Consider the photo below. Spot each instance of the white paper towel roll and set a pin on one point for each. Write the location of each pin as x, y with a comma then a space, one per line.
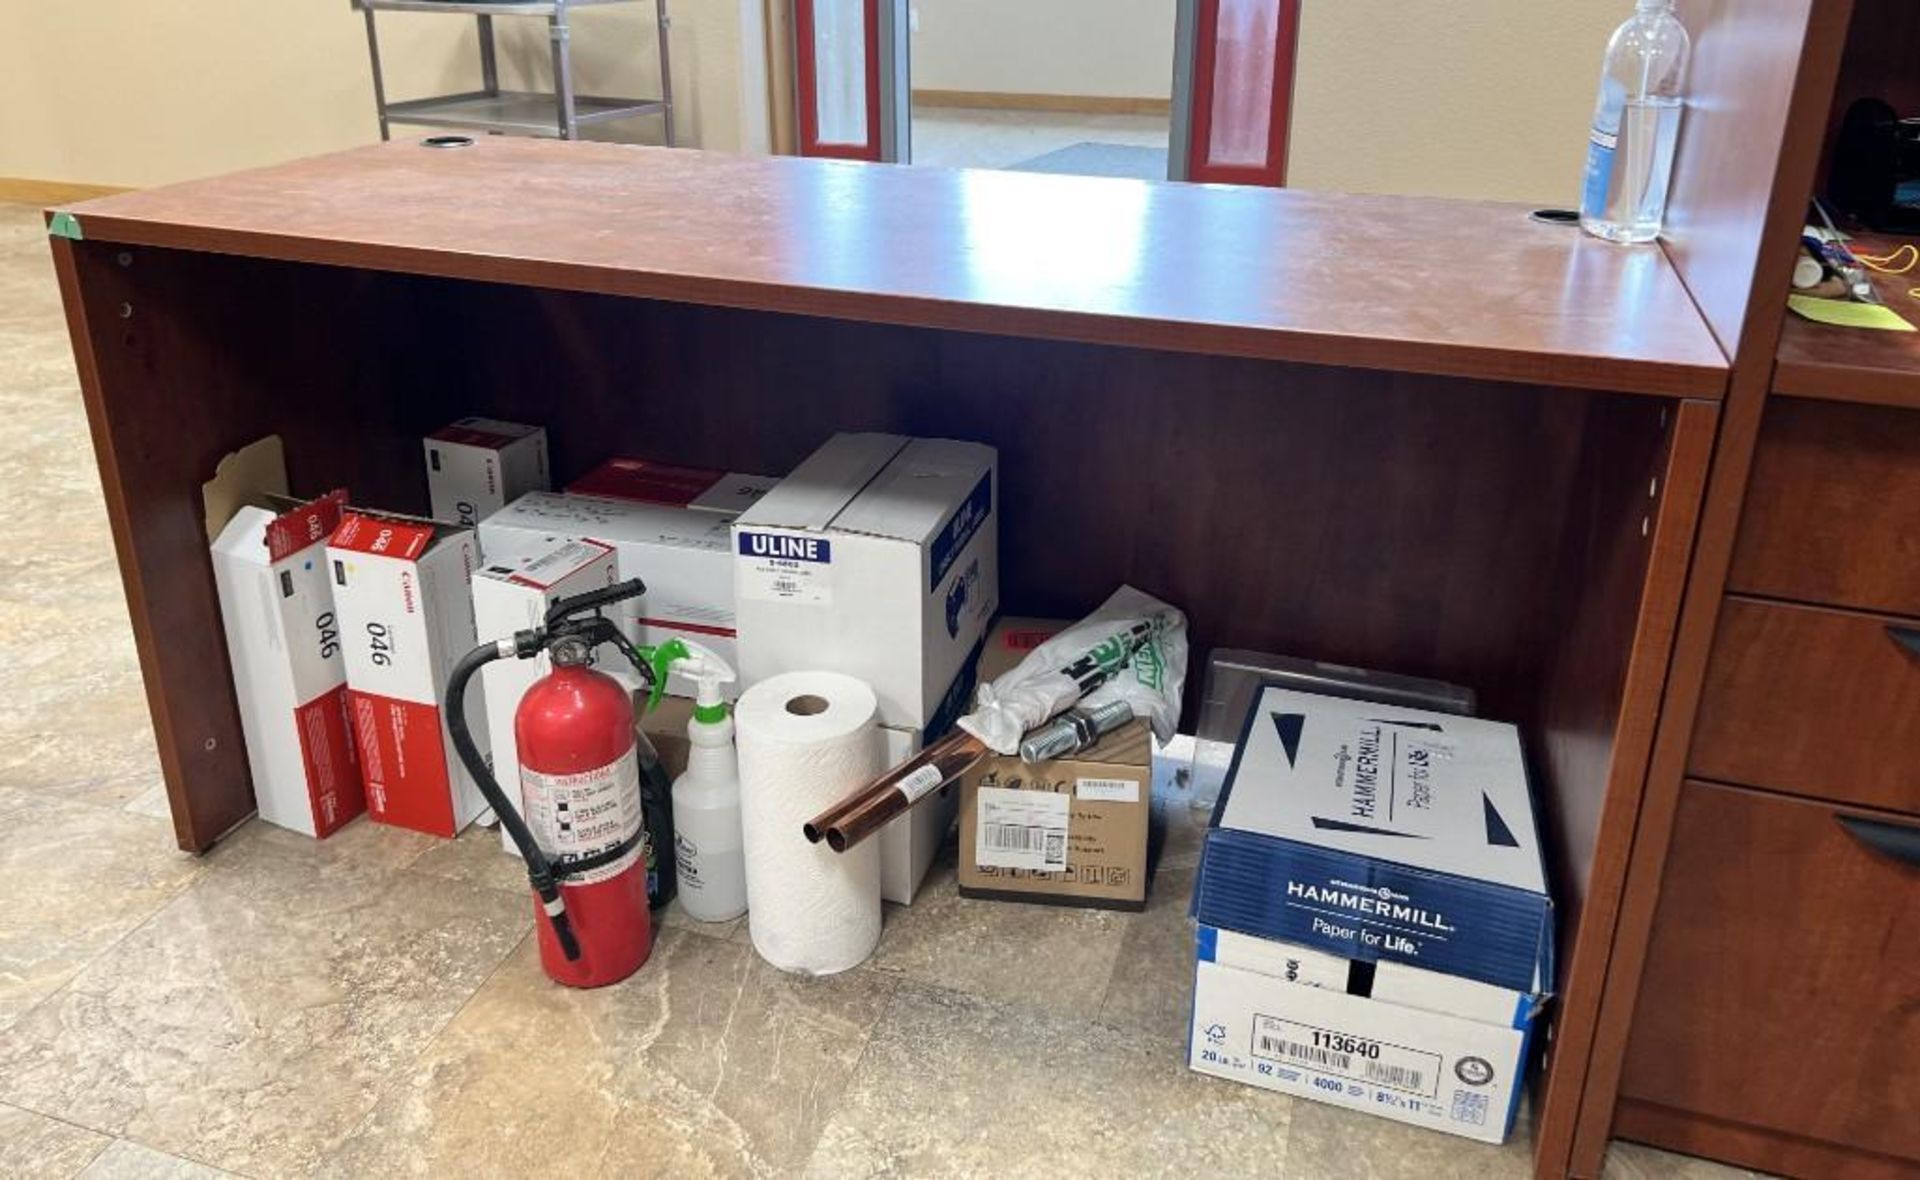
807, 740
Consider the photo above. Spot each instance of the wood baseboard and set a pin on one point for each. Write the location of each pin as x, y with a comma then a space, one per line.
53, 192
1771, 1152
1084, 104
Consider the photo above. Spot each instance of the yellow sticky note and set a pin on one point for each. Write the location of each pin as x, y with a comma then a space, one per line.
1846, 313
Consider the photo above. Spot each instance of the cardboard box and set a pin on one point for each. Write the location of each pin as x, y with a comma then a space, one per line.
649, 482
1411, 1045
1380, 832
1010, 640
283, 642
878, 558
514, 596
682, 554
403, 591
1099, 805
477, 466
1068, 831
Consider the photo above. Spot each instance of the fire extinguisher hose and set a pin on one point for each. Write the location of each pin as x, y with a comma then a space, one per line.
540, 871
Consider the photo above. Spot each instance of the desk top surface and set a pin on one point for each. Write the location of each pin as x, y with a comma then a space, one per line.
1460, 288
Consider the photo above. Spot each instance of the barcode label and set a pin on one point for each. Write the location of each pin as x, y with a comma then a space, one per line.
1397, 1076
1021, 830
1308, 1054
1108, 790
1026, 838
1361, 1059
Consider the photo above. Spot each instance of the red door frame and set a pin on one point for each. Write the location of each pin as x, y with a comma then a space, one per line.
1273, 171
807, 83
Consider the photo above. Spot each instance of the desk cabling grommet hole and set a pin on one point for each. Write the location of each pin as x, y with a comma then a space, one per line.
447, 141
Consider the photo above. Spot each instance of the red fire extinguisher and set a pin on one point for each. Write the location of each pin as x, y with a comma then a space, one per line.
583, 832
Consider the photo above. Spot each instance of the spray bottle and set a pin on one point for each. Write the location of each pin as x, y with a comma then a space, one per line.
706, 799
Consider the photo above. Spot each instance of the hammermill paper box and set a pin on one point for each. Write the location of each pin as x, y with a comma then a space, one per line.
402, 589
682, 554
878, 558
1380, 832
477, 466
1411, 1045
514, 596
276, 606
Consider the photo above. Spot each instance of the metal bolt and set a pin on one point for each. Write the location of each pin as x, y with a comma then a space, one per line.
211, 743
1644, 525
1653, 488
124, 258
126, 311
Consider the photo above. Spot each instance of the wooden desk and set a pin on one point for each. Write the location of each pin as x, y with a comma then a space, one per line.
1421, 435
1772, 883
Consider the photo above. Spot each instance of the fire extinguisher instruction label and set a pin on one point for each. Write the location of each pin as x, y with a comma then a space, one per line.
573, 816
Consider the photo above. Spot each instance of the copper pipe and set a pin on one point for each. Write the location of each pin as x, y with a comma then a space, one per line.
869, 809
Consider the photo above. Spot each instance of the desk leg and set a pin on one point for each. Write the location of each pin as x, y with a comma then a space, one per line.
1605, 800
155, 447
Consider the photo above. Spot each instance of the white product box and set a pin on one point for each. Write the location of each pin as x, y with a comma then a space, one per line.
734, 493
680, 553
1380, 832
1411, 1045
908, 844
477, 466
878, 558
403, 591
652, 482
514, 596
276, 606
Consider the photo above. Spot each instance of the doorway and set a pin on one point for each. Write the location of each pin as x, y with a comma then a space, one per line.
1067, 86
1051, 85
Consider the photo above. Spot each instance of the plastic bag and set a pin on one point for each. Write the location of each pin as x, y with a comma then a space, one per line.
1134, 649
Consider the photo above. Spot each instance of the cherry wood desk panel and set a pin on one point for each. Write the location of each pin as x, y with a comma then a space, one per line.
1461, 288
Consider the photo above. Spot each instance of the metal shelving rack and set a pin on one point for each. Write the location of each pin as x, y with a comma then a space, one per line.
490, 108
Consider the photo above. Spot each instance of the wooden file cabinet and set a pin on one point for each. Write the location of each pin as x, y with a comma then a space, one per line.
1779, 1015
1778, 1008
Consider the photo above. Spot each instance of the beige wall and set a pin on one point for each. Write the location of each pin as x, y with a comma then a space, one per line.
1482, 98
1113, 48
1455, 98
142, 92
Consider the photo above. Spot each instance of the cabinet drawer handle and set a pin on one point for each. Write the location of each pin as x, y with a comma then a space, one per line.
1895, 840
1907, 637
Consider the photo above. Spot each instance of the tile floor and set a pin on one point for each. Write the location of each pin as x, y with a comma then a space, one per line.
958, 137
373, 1005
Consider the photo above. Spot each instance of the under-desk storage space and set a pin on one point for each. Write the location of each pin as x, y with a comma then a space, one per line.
1349, 463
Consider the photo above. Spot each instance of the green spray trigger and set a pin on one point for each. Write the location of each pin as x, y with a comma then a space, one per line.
661, 660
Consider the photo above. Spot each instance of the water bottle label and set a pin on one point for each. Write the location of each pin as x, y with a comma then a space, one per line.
1600, 145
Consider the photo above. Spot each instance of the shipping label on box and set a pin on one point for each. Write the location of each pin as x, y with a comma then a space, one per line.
283, 640
878, 558
682, 554
1380, 832
403, 593
1415, 1047
514, 596
477, 466
1071, 831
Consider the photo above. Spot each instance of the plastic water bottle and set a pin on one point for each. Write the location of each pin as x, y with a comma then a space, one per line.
1635, 124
